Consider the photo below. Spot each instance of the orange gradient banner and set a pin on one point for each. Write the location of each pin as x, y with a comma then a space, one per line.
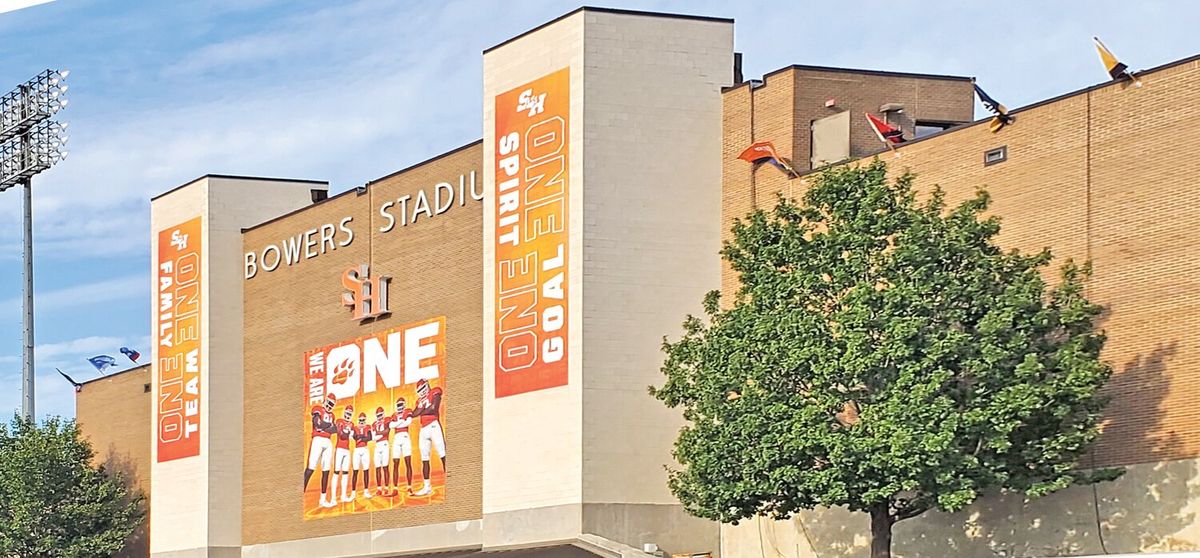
374, 420
532, 215
177, 336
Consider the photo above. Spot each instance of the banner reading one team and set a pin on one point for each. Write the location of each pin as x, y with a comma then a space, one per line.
177, 336
373, 421
532, 214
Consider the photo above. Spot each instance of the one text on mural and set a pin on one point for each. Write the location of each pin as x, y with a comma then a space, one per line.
178, 324
366, 365
531, 217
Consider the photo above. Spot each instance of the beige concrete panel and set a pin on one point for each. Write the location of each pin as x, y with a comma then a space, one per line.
668, 526
435, 537
1153, 508
651, 232
532, 441
198, 499
516, 528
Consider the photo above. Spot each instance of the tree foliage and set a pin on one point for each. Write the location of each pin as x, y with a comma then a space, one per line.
53, 502
883, 354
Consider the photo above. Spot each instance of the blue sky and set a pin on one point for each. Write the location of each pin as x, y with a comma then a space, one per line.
162, 92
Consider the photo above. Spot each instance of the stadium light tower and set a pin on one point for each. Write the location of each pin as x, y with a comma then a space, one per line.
30, 142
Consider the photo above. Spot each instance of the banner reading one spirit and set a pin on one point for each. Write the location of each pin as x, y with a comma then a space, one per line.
374, 420
532, 214
177, 336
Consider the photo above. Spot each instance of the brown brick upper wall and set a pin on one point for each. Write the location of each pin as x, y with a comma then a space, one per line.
1095, 175
783, 108
113, 413
435, 268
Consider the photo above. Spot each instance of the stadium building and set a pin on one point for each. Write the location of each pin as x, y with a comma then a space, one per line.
455, 357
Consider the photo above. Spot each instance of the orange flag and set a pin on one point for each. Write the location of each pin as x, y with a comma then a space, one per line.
764, 152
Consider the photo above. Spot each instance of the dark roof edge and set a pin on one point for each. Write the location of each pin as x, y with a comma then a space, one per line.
1043, 102
884, 73
832, 69
366, 186
117, 373
608, 11
238, 177
427, 161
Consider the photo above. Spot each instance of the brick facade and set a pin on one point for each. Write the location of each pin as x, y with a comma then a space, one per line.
434, 265
782, 109
113, 413
1091, 175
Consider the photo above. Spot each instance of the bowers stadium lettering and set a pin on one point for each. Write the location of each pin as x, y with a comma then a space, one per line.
177, 332
330, 236
366, 400
532, 215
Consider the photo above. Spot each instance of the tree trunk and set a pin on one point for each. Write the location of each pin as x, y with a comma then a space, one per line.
881, 531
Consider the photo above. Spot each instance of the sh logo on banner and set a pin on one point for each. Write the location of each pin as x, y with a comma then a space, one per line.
178, 240
535, 104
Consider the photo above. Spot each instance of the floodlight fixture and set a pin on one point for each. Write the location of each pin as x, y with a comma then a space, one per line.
30, 143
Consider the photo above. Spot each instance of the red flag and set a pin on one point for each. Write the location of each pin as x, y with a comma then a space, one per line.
885, 132
764, 152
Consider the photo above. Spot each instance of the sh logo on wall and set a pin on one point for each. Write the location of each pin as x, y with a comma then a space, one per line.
368, 297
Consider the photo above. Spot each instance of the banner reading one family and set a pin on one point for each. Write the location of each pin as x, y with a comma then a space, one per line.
177, 339
532, 215
374, 421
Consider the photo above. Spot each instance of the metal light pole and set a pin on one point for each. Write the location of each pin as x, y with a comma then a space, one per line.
30, 143
27, 306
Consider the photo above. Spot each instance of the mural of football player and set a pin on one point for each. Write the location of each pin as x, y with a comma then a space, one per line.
320, 448
344, 429
401, 445
429, 405
362, 457
382, 429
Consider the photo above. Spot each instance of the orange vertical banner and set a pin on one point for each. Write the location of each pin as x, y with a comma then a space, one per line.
177, 337
532, 242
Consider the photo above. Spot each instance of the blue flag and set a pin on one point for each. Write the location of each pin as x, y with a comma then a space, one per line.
132, 354
1001, 118
102, 362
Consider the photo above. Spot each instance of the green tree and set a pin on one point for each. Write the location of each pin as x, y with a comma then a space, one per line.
883, 354
53, 502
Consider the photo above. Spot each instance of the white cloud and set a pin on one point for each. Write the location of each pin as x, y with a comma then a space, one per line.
118, 288
54, 395
14, 5
53, 352
357, 109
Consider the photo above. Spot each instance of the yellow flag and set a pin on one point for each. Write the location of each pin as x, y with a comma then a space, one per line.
1116, 70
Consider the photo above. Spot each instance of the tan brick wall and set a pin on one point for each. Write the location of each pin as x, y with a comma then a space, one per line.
1092, 175
113, 414
783, 108
435, 269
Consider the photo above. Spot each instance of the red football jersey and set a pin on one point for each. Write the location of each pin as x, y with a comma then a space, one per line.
426, 402
396, 417
325, 416
344, 429
380, 428
362, 434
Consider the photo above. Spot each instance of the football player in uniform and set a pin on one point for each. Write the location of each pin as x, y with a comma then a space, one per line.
344, 428
320, 449
401, 445
362, 457
429, 406
382, 428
